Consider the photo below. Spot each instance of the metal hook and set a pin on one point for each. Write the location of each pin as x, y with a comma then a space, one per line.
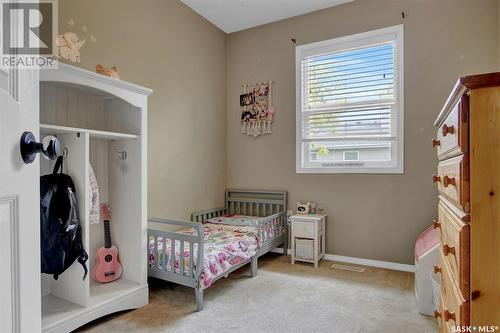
122, 154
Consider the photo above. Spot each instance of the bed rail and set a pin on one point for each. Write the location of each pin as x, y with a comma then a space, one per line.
272, 232
167, 270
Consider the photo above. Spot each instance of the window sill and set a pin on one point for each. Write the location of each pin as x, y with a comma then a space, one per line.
362, 170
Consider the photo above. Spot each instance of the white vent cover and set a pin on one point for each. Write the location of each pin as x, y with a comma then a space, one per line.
349, 268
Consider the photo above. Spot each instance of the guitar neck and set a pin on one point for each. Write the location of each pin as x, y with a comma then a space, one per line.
107, 235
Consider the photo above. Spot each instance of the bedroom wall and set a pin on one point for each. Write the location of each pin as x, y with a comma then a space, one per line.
369, 216
166, 46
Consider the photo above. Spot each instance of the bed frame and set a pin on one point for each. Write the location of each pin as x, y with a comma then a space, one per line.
270, 205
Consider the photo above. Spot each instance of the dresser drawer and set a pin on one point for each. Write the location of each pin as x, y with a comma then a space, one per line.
455, 310
303, 229
453, 180
455, 245
453, 134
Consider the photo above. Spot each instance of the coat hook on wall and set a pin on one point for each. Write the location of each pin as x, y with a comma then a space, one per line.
122, 154
65, 152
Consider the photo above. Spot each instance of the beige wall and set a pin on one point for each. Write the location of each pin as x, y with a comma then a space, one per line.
166, 46
369, 216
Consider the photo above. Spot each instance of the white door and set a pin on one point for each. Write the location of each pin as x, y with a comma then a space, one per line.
19, 205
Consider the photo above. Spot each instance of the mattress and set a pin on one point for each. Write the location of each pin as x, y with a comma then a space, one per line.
225, 246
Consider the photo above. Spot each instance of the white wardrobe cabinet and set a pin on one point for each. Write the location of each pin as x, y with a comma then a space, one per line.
100, 122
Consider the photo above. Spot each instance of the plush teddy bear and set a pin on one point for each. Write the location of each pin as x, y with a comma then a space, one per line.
111, 72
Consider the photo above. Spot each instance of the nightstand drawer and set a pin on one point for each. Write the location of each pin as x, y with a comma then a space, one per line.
303, 229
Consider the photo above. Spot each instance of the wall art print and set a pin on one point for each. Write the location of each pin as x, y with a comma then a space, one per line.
69, 43
257, 111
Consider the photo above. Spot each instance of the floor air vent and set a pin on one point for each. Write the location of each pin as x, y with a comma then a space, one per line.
349, 268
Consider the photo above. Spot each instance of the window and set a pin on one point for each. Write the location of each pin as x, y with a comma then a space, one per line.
351, 156
350, 104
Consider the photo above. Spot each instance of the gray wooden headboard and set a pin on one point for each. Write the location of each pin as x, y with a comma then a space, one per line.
255, 202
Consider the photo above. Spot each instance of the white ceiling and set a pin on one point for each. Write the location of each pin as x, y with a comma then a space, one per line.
235, 15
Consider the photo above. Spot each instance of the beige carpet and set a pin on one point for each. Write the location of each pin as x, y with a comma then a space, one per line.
282, 298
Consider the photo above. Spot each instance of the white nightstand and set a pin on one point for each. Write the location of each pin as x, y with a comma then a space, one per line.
308, 238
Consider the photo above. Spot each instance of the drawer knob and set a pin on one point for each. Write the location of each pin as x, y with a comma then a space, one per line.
437, 314
447, 249
447, 181
436, 224
437, 269
436, 143
448, 129
436, 178
449, 315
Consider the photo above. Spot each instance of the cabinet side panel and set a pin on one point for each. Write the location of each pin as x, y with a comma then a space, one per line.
70, 285
485, 203
125, 201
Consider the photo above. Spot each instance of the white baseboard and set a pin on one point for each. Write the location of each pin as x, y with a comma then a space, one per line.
364, 262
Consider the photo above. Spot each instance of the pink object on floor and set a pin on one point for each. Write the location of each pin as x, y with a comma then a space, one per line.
425, 241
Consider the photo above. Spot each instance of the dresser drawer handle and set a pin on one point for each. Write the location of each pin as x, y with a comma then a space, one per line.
436, 143
447, 181
448, 129
437, 314
449, 315
436, 178
436, 224
437, 269
447, 249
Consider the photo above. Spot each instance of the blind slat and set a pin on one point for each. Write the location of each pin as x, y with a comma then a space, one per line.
313, 72
361, 89
348, 122
351, 97
333, 83
359, 74
372, 51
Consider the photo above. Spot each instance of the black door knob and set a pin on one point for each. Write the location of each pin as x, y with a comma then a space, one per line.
49, 147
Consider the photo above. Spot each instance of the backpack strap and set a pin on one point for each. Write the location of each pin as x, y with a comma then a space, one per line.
82, 259
59, 164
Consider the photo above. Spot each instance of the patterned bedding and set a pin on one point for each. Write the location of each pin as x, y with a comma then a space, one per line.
225, 246
236, 220
269, 231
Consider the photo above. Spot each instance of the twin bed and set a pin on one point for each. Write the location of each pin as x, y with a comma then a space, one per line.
218, 241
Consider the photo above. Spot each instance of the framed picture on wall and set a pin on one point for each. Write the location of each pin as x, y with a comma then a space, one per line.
247, 99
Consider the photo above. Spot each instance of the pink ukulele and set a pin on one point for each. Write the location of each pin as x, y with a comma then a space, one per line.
107, 266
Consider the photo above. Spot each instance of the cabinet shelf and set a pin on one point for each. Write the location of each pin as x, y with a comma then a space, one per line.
109, 297
55, 129
104, 292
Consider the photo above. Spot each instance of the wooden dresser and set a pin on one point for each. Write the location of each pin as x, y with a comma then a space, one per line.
468, 180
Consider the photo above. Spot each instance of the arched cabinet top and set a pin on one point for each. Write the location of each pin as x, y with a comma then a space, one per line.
102, 85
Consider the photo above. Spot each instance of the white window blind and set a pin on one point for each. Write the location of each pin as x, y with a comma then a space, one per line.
349, 96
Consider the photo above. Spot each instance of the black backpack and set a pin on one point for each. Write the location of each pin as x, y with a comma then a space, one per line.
60, 232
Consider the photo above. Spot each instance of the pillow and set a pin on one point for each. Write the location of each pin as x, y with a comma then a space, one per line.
236, 220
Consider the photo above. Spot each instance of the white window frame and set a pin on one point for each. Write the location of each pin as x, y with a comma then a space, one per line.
394, 33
